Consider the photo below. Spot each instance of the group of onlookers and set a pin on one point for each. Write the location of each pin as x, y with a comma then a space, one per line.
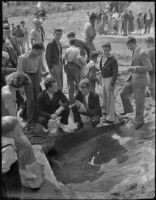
21, 90
114, 22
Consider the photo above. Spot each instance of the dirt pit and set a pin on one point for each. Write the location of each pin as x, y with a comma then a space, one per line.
101, 162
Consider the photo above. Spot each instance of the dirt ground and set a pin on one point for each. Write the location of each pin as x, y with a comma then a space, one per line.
116, 164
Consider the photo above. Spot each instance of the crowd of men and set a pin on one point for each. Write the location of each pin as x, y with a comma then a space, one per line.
123, 23
22, 74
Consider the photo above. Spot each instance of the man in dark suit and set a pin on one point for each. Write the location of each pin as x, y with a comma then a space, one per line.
148, 19
86, 103
53, 103
54, 57
140, 66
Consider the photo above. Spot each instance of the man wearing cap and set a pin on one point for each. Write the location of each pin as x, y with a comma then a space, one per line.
89, 71
73, 67
30, 63
10, 40
151, 52
25, 39
52, 103
140, 66
90, 33
86, 103
84, 50
148, 19
54, 57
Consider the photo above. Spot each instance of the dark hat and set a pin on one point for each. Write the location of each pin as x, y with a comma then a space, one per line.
6, 27
131, 39
84, 83
48, 82
58, 30
71, 34
150, 40
92, 15
94, 54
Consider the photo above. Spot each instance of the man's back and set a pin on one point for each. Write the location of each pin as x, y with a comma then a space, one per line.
72, 53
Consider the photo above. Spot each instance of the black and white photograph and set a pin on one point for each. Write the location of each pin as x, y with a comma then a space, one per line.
78, 100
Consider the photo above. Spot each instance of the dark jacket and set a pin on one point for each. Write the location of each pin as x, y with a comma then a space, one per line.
93, 103
109, 69
46, 107
145, 16
52, 54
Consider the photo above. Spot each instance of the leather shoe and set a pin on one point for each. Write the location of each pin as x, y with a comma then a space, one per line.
139, 125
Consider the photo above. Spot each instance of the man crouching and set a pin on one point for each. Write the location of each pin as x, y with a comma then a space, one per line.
53, 103
86, 103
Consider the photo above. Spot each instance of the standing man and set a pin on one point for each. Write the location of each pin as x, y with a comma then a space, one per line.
10, 40
90, 32
18, 33
109, 72
25, 39
84, 50
148, 19
54, 58
151, 52
73, 68
30, 63
37, 36
140, 66
125, 18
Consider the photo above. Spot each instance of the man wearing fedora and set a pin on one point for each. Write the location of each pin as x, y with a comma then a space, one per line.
90, 32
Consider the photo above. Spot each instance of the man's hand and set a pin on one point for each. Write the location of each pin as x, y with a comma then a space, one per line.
53, 116
58, 111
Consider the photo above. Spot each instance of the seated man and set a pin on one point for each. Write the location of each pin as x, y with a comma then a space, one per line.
53, 103
87, 103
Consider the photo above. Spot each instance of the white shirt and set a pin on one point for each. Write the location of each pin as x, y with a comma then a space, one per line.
86, 99
72, 53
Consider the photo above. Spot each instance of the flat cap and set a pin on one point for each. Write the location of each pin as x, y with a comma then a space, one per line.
150, 39
71, 34
48, 81
84, 83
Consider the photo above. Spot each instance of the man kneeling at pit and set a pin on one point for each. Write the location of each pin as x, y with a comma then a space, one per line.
52, 103
86, 103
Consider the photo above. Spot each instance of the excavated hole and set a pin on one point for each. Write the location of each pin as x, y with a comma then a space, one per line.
77, 157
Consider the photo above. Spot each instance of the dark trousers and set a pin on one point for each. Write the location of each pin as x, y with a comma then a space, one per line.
95, 119
31, 93
11, 182
125, 97
147, 26
73, 78
64, 118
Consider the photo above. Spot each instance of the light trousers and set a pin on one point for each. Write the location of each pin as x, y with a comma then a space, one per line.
139, 96
108, 99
